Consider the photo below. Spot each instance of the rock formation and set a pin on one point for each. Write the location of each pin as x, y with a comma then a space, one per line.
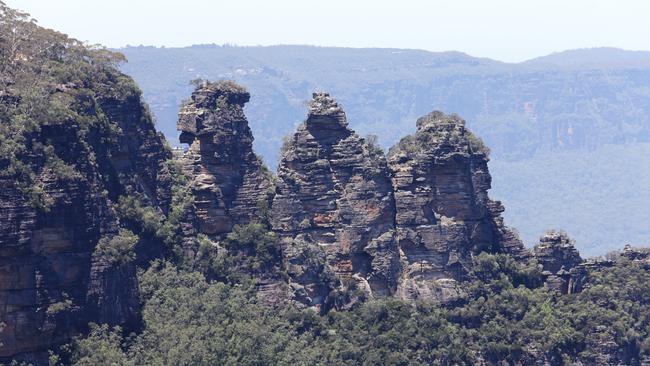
334, 195
228, 180
565, 271
82, 166
560, 261
443, 212
50, 284
229, 183
640, 256
408, 226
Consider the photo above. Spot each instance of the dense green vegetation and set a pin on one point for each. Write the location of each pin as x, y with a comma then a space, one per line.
52, 86
506, 315
254, 241
118, 249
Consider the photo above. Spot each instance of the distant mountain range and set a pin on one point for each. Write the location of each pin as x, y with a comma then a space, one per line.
566, 103
604, 57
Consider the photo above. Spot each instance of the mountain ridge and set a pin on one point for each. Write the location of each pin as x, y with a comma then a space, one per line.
595, 54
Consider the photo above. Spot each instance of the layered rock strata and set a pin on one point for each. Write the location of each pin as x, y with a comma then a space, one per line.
443, 213
560, 262
229, 182
51, 286
334, 199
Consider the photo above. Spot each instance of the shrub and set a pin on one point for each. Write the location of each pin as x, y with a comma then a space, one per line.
116, 250
373, 145
476, 144
102, 346
149, 219
64, 305
254, 238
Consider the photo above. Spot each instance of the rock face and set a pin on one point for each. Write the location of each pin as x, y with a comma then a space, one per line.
334, 200
443, 212
229, 182
50, 284
407, 226
560, 262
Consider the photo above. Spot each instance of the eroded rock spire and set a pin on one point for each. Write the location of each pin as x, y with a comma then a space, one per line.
444, 215
334, 201
228, 180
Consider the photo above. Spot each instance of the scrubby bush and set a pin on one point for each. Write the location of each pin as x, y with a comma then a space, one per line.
116, 250
148, 218
254, 240
477, 145
60, 306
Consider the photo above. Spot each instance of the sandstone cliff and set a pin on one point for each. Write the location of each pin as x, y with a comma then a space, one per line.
334, 199
407, 226
443, 212
46, 255
74, 137
229, 182
230, 187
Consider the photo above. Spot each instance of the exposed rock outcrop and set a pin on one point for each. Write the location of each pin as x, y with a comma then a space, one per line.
640, 256
229, 182
50, 285
444, 215
579, 276
334, 196
230, 185
408, 226
559, 259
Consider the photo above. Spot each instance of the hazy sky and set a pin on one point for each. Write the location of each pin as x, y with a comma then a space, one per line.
507, 30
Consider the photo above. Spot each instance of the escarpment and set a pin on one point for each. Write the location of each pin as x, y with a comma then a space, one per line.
89, 194
52, 283
75, 137
443, 213
334, 197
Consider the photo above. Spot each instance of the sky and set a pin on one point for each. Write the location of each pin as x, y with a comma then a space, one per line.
505, 30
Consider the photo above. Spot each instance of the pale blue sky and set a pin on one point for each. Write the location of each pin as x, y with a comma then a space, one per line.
507, 30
